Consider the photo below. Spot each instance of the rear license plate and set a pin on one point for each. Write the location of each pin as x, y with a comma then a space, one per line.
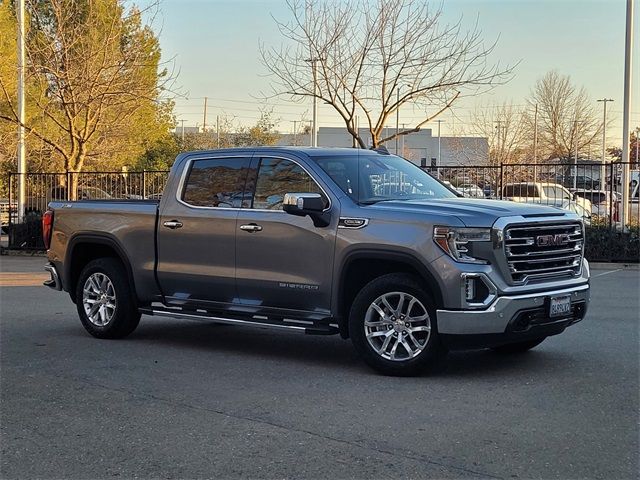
560, 306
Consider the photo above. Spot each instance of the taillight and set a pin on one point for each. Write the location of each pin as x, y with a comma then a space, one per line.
47, 228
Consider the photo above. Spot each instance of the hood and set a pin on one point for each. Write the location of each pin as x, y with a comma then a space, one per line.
471, 212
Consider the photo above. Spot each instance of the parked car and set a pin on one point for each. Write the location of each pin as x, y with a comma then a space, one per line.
5, 212
541, 192
299, 239
471, 190
602, 202
37, 203
582, 182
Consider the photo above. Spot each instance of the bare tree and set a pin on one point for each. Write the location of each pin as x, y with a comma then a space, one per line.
506, 128
95, 66
369, 60
567, 117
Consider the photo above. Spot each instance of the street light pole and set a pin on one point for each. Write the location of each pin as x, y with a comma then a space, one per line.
22, 163
575, 159
626, 116
535, 136
314, 127
438, 160
637, 132
397, 117
604, 141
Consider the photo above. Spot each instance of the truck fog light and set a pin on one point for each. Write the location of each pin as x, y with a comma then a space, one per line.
469, 288
477, 290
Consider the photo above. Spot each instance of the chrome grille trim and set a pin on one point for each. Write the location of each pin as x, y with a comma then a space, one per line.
528, 258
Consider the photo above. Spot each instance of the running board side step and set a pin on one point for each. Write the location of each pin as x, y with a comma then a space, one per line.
316, 329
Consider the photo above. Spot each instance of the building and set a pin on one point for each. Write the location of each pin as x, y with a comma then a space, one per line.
420, 147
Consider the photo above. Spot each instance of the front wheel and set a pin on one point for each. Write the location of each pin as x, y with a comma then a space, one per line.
392, 324
105, 301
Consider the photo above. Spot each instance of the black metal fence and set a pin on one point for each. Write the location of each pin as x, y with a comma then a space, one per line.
42, 188
593, 191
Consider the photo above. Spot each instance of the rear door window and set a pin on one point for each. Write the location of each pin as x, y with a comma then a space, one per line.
216, 182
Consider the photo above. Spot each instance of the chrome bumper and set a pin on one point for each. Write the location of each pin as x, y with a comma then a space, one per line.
54, 282
496, 318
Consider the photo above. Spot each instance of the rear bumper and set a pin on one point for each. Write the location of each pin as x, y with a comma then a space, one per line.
511, 319
54, 282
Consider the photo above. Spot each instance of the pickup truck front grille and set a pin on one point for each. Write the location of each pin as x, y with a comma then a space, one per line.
540, 251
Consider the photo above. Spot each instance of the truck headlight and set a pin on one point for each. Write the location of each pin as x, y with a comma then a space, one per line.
457, 242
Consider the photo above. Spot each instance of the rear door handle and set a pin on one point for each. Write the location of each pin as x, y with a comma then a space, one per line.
172, 224
252, 227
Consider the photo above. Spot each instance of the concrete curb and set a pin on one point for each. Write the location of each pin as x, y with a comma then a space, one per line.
22, 253
611, 265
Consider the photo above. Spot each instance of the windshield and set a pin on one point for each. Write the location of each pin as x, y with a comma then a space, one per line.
372, 177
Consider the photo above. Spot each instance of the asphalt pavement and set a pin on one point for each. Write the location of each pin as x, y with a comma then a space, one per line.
190, 400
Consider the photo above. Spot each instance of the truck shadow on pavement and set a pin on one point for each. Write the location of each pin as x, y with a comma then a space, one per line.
332, 352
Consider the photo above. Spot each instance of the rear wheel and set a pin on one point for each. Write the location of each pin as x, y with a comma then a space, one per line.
392, 324
519, 347
105, 301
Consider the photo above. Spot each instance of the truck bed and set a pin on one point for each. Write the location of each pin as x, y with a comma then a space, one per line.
130, 224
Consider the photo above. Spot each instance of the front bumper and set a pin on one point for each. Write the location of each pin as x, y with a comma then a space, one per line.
511, 318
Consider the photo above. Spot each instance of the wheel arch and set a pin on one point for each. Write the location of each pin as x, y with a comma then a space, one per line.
85, 247
360, 267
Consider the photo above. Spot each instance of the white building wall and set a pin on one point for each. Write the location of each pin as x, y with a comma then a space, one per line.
417, 147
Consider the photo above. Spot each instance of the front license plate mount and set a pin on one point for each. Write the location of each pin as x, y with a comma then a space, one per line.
560, 306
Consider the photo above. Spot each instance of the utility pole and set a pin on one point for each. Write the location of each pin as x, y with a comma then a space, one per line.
626, 116
439, 148
402, 151
182, 135
295, 133
218, 130
603, 170
314, 127
204, 120
22, 163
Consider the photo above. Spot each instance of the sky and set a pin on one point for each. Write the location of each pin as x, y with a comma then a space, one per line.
214, 47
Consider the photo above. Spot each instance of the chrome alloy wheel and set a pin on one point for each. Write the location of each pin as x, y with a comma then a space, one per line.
397, 326
99, 299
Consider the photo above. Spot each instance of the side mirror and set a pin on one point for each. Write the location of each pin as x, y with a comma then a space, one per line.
303, 204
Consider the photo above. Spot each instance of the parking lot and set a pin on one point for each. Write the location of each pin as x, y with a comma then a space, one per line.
193, 400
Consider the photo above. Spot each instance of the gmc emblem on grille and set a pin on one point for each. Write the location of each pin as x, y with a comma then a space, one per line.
552, 240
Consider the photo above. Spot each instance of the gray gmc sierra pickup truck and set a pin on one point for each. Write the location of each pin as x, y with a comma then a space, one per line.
323, 241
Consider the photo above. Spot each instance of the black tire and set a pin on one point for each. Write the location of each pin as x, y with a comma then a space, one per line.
432, 353
124, 317
520, 347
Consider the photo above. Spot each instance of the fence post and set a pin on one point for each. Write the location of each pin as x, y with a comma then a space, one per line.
144, 183
10, 199
68, 185
613, 200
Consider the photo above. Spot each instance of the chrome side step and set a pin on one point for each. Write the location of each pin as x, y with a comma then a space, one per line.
312, 329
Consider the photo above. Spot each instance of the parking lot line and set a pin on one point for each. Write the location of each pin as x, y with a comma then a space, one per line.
606, 273
22, 279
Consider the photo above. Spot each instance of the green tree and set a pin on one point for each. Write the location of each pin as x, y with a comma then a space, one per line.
98, 78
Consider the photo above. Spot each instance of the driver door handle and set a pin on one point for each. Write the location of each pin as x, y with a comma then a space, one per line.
172, 224
251, 227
